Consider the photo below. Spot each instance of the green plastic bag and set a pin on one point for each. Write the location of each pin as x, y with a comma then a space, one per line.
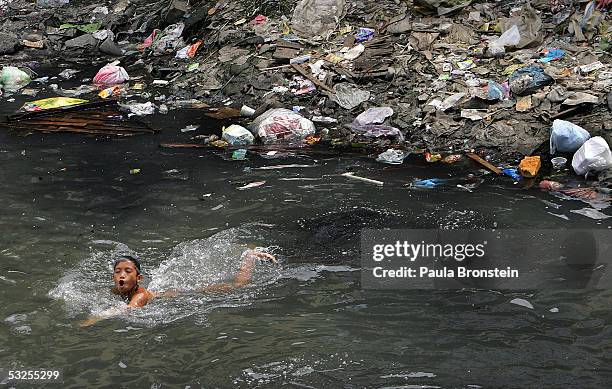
12, 79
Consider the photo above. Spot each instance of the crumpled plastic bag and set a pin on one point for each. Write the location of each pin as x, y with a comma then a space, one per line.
280, 124
510, 38
376, 115
169, 38
566, 137
392, 157
593, 156
528, 80
110, 75
529, 26
12, 79
376, 131
348, 96
140, 109
237, 135
316, 17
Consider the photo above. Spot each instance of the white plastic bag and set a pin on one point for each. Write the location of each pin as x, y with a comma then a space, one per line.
110, 75
12, 79
566, 137
237, 135
512, 37
376, 115
281, 124
593, 156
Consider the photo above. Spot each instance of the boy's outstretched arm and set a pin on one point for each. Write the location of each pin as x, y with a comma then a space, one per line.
103, 315
243, 277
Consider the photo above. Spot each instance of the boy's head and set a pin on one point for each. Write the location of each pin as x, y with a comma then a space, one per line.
126, 274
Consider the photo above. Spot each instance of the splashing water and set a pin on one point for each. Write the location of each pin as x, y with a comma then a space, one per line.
190, 266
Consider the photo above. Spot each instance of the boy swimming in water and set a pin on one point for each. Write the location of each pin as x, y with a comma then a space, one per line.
127, 274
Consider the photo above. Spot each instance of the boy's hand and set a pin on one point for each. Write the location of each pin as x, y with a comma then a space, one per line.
262, 256
88, 322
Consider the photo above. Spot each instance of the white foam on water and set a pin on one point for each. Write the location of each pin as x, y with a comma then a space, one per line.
192, 265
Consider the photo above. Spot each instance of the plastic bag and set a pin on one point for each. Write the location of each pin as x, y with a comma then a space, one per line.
281, 124
237, 135
392, 157
52, 102
13, 79
529, 80
593, 156
566, 137
110, 75
509, 38
375, 115
348, 96
316, 17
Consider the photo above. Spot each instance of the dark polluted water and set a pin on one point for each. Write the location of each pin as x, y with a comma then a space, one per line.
70, 204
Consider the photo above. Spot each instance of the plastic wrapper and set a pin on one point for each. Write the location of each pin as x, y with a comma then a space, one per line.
12, 79
593, 156
566, 137
110, 75
529, 80
281, 124
237, 135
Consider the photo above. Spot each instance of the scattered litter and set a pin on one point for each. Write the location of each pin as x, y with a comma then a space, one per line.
281, 124
188, 51
348, 96
252, 185
530, 166
364, 34
566, 137
529, 80
428, 183
239, 154
140, 109
374, 116
111, 74
52, 102
189, 128
237, 135
353, 53
591, 213
368, 180
522, 303
12, 79
392, 157
593, 156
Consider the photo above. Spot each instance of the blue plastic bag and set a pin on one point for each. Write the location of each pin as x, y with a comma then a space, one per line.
528, 80
566, 137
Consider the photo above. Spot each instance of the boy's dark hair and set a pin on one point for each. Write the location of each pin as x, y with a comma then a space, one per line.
124, 258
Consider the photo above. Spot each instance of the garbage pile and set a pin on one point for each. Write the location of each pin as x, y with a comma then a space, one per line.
509, 79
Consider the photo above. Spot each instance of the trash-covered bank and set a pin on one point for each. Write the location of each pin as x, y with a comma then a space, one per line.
510, 85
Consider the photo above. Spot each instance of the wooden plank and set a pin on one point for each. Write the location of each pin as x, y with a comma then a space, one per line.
314, 80
484, 163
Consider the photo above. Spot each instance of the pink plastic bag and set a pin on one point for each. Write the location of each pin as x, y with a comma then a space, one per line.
110, 75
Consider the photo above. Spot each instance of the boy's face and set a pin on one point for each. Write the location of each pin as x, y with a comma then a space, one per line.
126, 276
